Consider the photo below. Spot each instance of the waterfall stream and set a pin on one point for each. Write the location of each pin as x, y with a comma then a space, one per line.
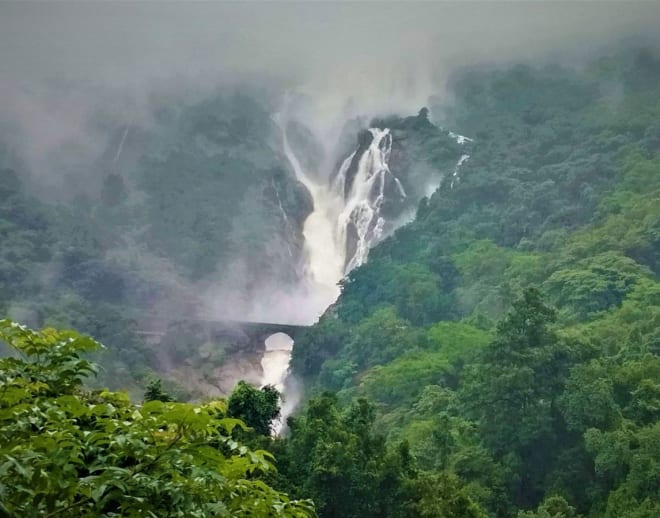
338, 234
324, 256
275, 365
345, 222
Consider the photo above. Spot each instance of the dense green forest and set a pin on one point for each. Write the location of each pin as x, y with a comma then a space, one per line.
507, 340
498, 356
67, 451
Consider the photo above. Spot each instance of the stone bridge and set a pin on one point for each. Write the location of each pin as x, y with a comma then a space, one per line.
248, 336
186, 351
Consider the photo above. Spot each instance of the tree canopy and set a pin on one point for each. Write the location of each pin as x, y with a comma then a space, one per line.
65, 451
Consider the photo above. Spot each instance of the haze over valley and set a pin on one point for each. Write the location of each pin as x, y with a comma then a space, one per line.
371, 259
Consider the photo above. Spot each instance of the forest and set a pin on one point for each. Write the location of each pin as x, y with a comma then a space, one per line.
497, 356
507, 339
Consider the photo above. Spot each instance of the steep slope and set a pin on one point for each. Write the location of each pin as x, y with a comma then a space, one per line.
196, 195
560, 192
205, 209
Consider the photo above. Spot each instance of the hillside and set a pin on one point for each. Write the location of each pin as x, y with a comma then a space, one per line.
498, 355
509, 336
152, 225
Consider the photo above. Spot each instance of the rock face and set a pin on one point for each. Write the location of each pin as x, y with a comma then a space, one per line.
422, 155
395, 163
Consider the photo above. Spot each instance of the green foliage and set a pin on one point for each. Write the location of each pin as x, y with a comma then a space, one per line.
380, 338
341, 461
551, 412
456, 340
318, 344
589, 401
511, 385
418, 293
155, 392
443, 496
629, 459
594, 284
552, 507
68, 452
214, 166
401, 380
256, 407
511, 389
24, 236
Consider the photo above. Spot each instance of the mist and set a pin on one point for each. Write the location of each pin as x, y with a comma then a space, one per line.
344, 56
64, 63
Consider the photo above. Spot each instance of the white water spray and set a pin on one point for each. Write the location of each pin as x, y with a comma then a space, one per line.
275, 365
455, 178
362, 205
341, 219
338, 213
275, 361
121, 143
324, 258
460, 139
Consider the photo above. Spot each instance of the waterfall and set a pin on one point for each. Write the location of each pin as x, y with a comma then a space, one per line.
345, 222
361, 212
455, 177
340, 215
275, 361
121, 143
324, 257
275, 365
342, 227
460, 139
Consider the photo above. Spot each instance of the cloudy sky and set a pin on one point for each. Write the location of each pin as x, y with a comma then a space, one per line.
126, 42
379, 54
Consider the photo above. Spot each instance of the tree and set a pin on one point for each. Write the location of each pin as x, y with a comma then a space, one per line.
552, 507
380, 338
512, 390
256, 407
627, 462
65, 451
113, 191
443, 496
155, 392
340, 459
595, 284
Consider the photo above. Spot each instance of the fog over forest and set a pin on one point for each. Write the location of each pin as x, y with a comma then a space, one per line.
59, 60
330, 259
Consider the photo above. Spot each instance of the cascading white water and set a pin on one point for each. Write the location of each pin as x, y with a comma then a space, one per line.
363, 203
454, 177
436, 180
324, 258
325, 231
275, 361
326, 236
275, 365
460, 139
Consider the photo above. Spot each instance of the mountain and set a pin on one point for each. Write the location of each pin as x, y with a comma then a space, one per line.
205, 208
198, 194
508, 336
485, 272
